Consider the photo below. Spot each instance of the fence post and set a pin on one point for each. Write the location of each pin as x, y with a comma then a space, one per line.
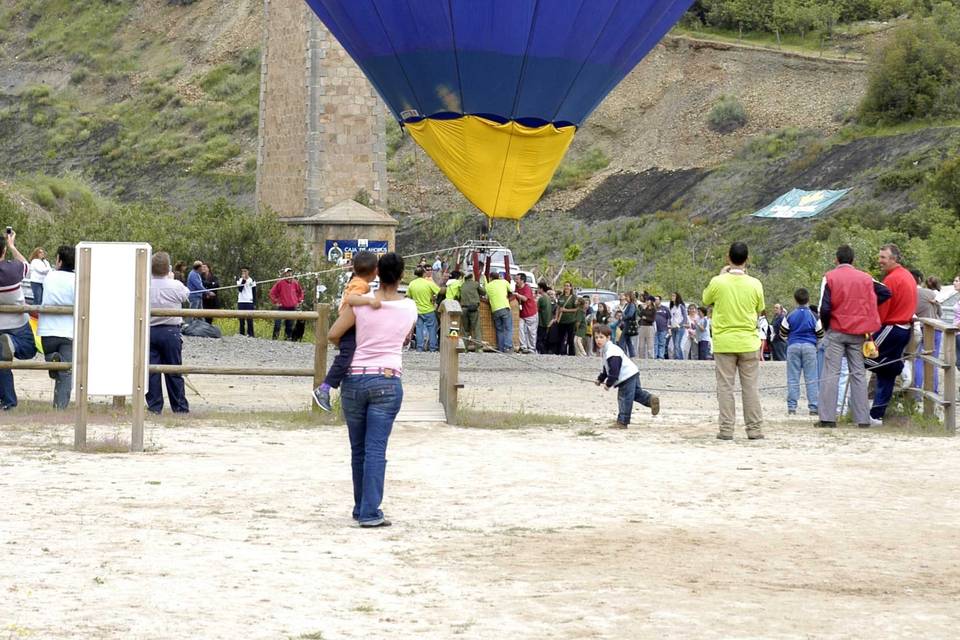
949, 382
80, 348
928, 371
320, 329
141, 338
450, 313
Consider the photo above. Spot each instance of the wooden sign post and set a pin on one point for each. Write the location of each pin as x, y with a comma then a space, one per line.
112, 330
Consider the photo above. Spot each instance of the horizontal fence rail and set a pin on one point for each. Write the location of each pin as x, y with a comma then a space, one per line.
320, 315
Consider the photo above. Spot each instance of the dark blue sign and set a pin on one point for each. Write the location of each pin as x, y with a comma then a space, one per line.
341, 251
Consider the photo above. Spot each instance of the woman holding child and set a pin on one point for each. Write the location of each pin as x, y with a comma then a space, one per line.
371, 391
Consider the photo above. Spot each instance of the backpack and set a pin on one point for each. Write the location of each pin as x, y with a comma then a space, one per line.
199, 328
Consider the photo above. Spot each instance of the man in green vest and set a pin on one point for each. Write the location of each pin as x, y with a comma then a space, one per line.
498, 293
737, 301
470, 292
423, 291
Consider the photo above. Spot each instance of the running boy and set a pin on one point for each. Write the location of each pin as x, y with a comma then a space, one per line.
354, 295
619, 371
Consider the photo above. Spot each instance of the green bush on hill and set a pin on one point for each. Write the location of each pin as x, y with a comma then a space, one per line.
727, 115
917, 75
574, 172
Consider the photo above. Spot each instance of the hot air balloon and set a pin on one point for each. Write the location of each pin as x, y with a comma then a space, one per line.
494, 90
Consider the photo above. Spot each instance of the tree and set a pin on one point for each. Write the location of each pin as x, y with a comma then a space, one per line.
917, 74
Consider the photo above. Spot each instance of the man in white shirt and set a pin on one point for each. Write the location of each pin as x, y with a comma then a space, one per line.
246, 294
165, 342
56, 331
16, 337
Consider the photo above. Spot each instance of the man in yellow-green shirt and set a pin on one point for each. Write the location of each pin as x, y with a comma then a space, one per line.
737, 301
423, 291
498, 293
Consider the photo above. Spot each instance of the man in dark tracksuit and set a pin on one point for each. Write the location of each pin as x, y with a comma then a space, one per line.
544, 316
896, 318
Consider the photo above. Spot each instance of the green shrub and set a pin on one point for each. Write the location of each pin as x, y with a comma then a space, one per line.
775, 144
917, 74
727, 115
945, 184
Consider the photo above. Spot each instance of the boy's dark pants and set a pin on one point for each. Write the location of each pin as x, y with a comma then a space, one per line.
341, 364
629, 392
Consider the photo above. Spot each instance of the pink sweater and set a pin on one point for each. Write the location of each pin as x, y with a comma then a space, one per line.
382, 332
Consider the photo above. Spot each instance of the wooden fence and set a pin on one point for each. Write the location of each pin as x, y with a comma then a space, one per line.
947, 363
320, 316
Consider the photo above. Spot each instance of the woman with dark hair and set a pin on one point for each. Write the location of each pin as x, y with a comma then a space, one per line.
630, 325
603, 314
567, 319
371, 392
678, 323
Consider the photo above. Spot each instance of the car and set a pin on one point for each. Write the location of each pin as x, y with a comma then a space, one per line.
609, 298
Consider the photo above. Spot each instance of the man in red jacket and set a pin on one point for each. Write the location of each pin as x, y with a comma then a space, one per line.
287, 295
896, 318
848, 312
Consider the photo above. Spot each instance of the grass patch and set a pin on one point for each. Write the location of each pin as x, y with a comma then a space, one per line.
108, 444
588, 433
574, 172
473, 418
790, 42
316, 635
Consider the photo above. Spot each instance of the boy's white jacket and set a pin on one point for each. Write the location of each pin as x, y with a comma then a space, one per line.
627, 366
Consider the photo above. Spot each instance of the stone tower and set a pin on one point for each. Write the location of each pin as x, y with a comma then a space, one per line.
322, 125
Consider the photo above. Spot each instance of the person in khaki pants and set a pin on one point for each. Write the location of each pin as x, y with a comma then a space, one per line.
737, 301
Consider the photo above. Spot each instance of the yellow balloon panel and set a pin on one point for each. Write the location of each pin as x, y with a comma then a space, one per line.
501, 168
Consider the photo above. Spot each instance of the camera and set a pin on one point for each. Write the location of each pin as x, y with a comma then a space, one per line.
9, 231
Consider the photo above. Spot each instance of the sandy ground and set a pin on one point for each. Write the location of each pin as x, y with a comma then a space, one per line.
572, 531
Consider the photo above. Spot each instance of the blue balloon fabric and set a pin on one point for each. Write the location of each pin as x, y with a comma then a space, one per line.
529, 61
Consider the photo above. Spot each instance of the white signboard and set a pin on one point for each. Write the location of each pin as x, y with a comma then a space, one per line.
113, 312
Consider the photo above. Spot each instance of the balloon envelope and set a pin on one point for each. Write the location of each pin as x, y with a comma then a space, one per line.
493, 90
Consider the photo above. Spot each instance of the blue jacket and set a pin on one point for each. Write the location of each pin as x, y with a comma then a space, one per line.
801, 327
195, 284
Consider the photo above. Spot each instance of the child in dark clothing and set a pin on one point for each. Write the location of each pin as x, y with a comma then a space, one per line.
621, 373
354, 295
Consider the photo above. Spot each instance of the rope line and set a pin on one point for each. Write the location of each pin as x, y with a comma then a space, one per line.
529, 363
313, 274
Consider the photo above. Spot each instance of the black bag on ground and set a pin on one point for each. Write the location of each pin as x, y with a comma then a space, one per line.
298, 328
199, 328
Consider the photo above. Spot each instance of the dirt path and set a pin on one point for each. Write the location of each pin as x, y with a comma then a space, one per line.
566, 532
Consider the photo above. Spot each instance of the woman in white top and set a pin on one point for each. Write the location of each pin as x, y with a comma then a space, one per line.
39, 268
371, 393
56, 331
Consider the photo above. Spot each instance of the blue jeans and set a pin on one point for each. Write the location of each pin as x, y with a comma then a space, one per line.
24, 348
802, 358
166, 347
629, 392
503, 326
626, 343
677, 337
427, 332
370, 405
37, 288
64, 379
661, 344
